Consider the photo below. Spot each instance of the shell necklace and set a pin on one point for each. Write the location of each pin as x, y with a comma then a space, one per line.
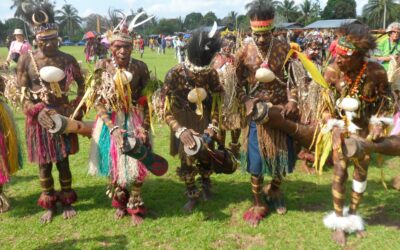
264, 73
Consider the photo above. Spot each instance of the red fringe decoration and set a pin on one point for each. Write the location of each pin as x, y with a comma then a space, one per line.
67, 197
47, 201
142, 101
121, 200
141, 211
255, 214
34, 111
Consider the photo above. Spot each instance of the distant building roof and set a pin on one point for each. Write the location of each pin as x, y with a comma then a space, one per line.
330, 24
289, 26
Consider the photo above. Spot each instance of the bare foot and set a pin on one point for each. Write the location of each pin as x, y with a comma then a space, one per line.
69, 212
275, 199
339, 237
4, 203
120, 213
190, 205
47, 217
361, 234
137, 219
281, 210
255, 214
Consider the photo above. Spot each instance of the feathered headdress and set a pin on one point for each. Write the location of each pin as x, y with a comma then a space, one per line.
123, 32
41, 18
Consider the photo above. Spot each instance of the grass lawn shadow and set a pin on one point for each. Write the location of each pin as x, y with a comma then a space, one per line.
109, 242
89, 197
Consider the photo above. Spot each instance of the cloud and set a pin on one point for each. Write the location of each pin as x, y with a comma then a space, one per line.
175, 8
86, 12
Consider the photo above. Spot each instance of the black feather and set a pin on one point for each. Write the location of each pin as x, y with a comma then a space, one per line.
38, 8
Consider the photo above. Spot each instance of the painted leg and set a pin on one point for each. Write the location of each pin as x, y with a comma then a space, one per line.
119, 201
187, 174
235, 144
135, 206
67, 195
223, 136
205, 182
335, 220
359, 186
4, 203
259, 210
275, 197
48, 197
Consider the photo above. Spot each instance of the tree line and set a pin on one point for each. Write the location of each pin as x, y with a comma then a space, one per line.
376, 13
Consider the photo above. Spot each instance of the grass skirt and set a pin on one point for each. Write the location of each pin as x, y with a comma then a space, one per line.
105, 157
44, 147
10, 148
267, 151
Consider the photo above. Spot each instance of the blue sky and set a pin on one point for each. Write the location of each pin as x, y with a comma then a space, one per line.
159, 8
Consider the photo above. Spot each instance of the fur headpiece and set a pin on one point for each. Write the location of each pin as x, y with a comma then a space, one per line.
203, 46
355, 38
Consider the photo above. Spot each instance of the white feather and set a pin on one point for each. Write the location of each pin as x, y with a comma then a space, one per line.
348, 222
375, 120
333, 123
133, 23
352, 128
213, 30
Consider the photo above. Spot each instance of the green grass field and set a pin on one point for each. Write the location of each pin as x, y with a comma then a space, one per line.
216, 224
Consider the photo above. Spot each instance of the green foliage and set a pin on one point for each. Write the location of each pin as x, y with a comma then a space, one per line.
209, 18
373, 13
288, 10
9, 25
339, 9
69, 21
91, 23
167, 26
193, 20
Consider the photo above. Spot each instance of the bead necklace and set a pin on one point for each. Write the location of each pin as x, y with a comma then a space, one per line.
354, 87
266, 58
196, 69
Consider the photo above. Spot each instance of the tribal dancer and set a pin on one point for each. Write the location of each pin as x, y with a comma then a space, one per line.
45, 76
260, 70
190, 87
10, 151
309, 91
121, 111
223, 62
363, 98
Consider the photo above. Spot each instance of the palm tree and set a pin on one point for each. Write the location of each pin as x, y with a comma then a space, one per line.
19, 5
114, 17
377, 11
288, 10
68, 19
260, 2
306, 9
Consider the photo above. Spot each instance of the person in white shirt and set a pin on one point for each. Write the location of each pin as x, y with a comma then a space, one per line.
181, 48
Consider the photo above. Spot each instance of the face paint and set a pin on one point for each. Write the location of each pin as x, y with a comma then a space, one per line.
48, 47
121, 51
